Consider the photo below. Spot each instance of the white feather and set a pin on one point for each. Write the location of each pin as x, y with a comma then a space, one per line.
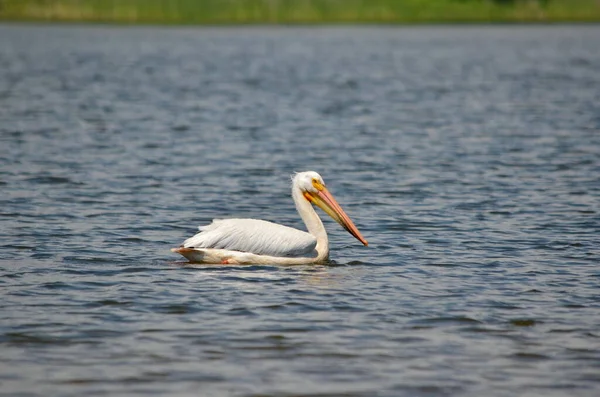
255, 236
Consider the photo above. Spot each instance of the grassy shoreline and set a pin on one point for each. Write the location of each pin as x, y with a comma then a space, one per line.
233, 12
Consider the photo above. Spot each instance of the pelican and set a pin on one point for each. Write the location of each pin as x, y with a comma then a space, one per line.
254, 241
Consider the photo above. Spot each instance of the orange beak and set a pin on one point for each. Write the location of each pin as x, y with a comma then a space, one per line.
324, 200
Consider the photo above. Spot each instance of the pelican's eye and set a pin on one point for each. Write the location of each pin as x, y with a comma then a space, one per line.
317, 185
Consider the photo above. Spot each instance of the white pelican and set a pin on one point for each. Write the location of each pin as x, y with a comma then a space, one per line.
253, 241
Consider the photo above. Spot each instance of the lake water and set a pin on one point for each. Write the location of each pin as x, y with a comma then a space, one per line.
469, 157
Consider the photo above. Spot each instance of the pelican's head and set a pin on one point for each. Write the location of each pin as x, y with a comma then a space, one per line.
313, 189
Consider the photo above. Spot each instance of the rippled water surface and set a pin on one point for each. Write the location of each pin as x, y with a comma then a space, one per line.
468, 157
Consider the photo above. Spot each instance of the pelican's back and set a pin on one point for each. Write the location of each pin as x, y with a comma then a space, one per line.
255, 236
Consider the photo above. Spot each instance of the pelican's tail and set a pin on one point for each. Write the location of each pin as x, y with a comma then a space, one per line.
191, 254
205, 255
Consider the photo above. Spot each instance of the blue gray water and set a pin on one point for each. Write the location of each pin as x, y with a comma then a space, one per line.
469, 157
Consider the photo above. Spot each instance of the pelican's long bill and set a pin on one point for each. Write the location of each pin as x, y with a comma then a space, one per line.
324, 200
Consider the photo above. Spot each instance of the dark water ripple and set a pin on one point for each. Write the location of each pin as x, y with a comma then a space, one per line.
469, 158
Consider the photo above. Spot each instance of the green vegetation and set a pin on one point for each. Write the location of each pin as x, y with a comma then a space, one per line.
300, 11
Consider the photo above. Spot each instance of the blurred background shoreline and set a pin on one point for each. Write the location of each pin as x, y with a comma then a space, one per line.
237, 12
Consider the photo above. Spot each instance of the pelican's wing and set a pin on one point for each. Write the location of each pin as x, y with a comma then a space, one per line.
255, 236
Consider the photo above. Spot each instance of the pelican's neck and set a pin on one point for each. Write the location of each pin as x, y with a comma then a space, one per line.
312, 221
